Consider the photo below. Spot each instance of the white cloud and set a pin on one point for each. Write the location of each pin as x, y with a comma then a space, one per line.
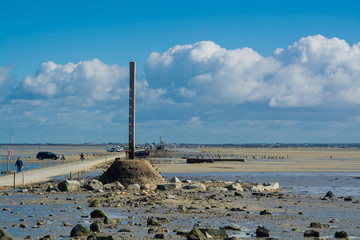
89, 80
313, 71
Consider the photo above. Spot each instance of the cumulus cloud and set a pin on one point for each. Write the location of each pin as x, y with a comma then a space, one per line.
89, 80
313, 71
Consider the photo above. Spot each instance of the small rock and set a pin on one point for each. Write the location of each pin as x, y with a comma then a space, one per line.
159, 236
174, 180
97, 214
113, 186
153, 222
239, 194
94, 203
311, 233
265, 212
195, 234
133, 187
79, 230
93, 185
198, 186
329, 194
69, 186
96, 226
318, 225
235, 186
262, 232
47, 237
169, 186
170, 197
341, 234
348, 199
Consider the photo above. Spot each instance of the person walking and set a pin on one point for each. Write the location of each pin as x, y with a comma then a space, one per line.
82, 156
19, 164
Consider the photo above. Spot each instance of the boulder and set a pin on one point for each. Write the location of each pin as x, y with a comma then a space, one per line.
311, 233
262, 232
341, 234
169, 186
5, 236
174, 180
69, 186
113, 186
133, 187
93, 185
79, 230
97, 214
198, 186
235, 186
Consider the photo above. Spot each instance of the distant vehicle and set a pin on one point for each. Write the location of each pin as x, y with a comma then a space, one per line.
114, 149
44, 155
142, 153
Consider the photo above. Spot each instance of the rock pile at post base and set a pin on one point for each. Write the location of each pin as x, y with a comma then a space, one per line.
131, 172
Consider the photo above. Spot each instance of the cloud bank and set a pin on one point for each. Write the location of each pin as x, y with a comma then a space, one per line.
199, 88
313, 71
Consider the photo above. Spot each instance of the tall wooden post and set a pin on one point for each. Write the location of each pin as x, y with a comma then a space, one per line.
132, 110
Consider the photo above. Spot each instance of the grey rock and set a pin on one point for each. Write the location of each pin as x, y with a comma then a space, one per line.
93, 185
198, 186
133, 187
113, 186
235, 186
169, 186
69, 186
174, 180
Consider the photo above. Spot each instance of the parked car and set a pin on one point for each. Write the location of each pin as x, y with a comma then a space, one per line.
142, 153
43, 155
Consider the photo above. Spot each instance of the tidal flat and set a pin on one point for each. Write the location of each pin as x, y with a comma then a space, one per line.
304, 175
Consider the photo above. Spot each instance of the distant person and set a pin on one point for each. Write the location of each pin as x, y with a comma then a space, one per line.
19, 164
82, 156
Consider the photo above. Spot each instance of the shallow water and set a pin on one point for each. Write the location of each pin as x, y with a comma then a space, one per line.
311, 183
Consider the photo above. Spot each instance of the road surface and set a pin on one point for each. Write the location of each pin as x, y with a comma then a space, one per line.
46, 173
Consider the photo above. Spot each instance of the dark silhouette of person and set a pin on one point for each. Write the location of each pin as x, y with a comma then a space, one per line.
19, 164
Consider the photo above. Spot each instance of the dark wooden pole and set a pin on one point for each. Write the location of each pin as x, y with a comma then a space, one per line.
132, 110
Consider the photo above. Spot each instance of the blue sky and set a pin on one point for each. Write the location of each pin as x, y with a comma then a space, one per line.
207, 71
